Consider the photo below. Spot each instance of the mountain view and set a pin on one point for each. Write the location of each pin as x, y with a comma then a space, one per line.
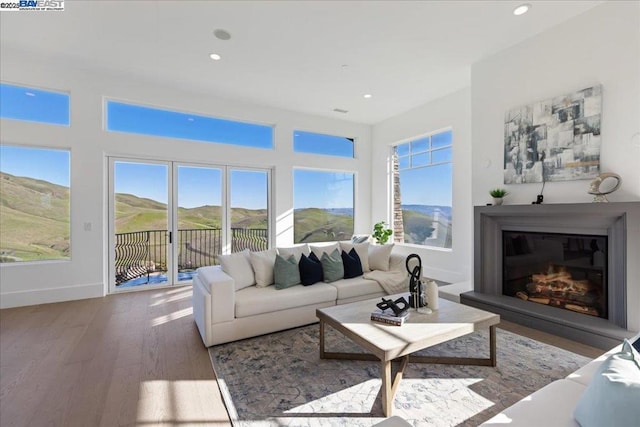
34, 218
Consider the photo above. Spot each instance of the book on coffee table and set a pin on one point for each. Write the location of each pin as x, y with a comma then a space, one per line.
389, 317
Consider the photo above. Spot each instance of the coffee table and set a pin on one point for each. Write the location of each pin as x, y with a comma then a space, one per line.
387, 343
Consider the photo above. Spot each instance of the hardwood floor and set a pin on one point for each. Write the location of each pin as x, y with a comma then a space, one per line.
127, 359
132, 359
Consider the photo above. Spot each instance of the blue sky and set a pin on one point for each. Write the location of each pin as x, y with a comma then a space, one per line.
45, 164
201, 186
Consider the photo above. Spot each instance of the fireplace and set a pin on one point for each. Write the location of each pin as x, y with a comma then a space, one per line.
568, 269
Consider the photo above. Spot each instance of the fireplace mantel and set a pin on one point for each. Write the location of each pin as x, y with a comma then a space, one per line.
620, 222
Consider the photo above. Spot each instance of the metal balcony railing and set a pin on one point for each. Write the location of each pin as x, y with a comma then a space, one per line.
142, 253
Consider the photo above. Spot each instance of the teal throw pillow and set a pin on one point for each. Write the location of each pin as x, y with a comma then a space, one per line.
285, 272
332, 267
612, 396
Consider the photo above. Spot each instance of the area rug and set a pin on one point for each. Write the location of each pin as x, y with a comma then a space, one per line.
279, 380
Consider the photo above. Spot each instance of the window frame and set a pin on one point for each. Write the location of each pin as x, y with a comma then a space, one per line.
70, 226
354, 196
430, 150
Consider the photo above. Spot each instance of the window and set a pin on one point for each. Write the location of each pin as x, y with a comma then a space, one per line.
138, 119
34, 105
323, 205
423, 190
34, 210
316, 143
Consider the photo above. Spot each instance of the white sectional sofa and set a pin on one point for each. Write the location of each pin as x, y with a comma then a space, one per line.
225, 311
554, 404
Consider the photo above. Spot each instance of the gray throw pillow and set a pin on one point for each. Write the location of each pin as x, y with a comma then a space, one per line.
285, 272
332, 267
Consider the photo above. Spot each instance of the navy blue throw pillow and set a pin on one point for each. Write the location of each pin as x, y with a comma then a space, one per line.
352, 264
310, 269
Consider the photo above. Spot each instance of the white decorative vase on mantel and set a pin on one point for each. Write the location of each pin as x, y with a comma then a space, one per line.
497, 201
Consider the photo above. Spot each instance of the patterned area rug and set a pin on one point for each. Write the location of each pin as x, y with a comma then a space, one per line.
278, 379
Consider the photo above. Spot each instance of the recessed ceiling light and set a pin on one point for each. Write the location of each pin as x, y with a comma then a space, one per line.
30, 94
522, 9
367, 95
222, 34
215, 56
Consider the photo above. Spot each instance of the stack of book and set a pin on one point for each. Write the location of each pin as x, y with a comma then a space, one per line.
389, 317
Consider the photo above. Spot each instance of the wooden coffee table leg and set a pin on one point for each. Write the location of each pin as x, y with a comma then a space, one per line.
321, 339
389, 388
492, 344
387, 397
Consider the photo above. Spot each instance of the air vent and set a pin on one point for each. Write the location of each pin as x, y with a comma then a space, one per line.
340, 110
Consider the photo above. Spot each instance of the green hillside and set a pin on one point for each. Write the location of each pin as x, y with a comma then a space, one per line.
34, 219
318, 225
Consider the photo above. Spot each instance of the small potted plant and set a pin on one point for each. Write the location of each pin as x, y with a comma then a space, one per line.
381, 233
498, 194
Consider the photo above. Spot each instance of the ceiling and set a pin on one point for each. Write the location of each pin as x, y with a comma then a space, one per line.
306, 56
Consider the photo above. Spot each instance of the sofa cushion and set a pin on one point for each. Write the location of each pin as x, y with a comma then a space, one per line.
253, 300
296, 251
379, 256
262, 263
310, 269
238, 266
351, 263
332, 267
285, 272
552, 405
585, 374
363, 252
613, 395
356, 287
326, 248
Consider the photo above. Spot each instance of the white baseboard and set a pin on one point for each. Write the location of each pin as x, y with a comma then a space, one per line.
45, 296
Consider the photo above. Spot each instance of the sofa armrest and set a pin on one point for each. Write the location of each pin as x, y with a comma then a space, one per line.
221, 288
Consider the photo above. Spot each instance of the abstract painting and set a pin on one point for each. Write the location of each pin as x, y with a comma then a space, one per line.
557, 139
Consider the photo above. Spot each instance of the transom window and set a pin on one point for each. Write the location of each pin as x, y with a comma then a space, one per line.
130, 118
34, 105
422, 196
317, 143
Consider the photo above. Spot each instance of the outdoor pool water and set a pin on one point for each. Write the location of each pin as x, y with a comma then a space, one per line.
156, 279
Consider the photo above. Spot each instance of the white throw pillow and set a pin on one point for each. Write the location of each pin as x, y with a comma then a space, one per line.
296, 251
379, 256
238, 266
362, 249
324, 249
262, 263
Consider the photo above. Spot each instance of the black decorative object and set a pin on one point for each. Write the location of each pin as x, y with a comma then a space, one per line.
416, 298
399, 306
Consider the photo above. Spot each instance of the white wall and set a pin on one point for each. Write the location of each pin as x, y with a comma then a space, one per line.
86, 274
601, 46
450, 111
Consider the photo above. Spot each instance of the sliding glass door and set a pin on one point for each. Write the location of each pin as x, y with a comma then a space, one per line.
168, 219
199, 218
141, 223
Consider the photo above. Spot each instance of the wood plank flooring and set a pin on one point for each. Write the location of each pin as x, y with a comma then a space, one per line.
133, 359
